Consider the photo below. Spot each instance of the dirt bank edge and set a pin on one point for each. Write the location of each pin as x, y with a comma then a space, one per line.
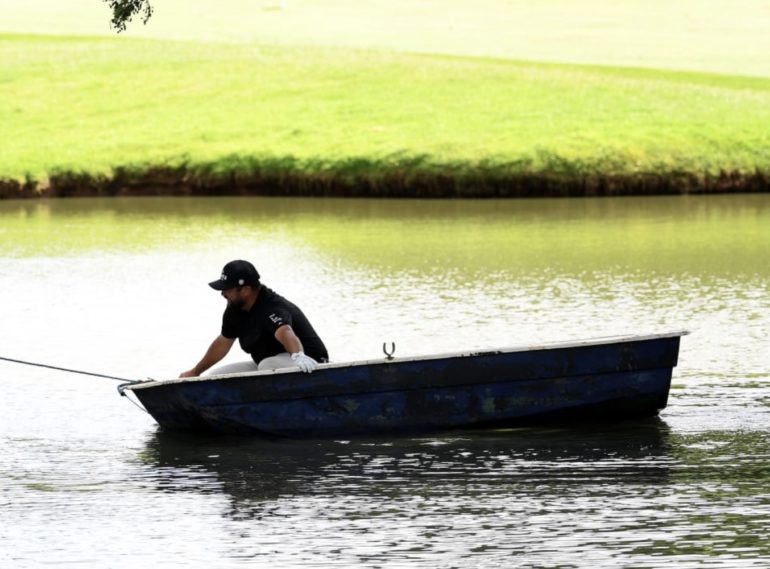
185, 181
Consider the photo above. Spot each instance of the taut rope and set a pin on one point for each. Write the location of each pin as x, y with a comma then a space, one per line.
65, 369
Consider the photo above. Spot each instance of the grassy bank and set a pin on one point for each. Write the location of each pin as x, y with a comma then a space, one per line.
110, 116
717, 36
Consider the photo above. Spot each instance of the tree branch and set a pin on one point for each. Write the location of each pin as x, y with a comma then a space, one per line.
123, 11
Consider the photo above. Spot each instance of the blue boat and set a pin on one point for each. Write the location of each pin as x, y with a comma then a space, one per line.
603, 379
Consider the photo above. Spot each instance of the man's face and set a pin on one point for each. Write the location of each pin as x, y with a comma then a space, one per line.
235, 297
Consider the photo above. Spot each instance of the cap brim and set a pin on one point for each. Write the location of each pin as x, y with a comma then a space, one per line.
220, 285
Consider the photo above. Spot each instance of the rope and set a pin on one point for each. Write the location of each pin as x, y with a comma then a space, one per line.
66, 369
123, 394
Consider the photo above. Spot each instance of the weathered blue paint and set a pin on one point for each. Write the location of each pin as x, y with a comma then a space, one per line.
596, 380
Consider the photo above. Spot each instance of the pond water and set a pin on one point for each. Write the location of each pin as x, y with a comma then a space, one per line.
118, 286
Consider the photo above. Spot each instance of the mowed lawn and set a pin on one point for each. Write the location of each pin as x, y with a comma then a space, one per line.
721, 36
90, 104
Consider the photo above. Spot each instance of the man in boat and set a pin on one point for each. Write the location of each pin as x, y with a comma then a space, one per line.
273, 330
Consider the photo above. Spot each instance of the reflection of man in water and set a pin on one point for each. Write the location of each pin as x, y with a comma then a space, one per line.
273, 330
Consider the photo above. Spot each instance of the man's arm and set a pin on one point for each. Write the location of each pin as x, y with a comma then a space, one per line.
288, 339
285, 334
217, 350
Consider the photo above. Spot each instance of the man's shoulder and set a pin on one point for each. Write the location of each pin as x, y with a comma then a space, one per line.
272, 310
269, 299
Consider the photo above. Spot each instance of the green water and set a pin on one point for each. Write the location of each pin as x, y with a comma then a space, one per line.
709, 236
119, 286
489, 240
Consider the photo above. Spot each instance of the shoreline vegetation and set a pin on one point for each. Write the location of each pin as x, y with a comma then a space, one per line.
361, 178
87, 116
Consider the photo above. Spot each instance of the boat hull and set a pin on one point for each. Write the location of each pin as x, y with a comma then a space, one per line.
596, 381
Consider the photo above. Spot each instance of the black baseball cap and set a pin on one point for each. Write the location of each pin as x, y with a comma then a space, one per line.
236, 273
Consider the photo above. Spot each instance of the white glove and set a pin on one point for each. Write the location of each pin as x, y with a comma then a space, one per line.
305, 363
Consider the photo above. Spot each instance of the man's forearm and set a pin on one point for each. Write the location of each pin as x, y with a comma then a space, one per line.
217, 350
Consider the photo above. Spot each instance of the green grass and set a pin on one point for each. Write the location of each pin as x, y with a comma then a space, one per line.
332, 116
723, 36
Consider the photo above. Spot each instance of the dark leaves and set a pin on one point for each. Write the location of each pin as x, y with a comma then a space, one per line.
123, 11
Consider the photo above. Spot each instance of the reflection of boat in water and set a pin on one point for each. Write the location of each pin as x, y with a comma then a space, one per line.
602, 379
254, 473
241, 468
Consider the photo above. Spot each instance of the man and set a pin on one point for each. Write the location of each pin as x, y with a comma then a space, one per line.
273, 330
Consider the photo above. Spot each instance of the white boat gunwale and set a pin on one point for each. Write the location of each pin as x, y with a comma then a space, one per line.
340, 365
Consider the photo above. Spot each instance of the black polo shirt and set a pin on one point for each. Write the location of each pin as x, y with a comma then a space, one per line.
255, 328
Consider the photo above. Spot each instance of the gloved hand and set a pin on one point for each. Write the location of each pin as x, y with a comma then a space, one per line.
305, 363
